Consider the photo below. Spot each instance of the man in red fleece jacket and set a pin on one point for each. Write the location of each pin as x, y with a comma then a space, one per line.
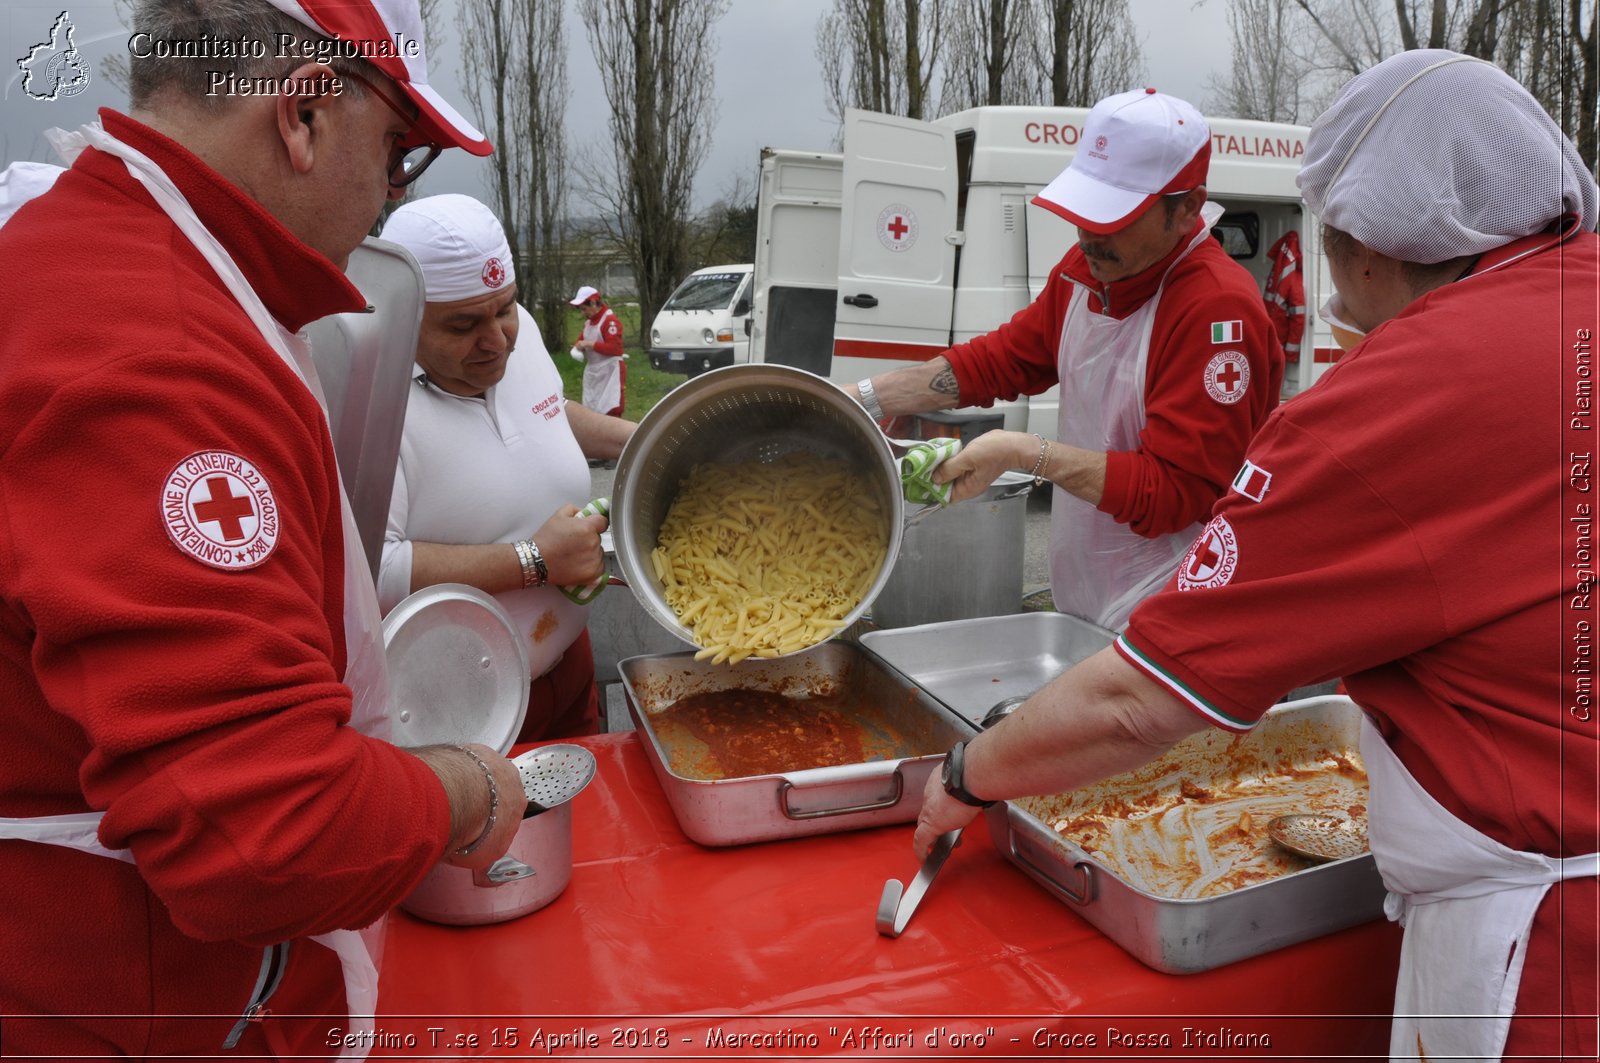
1162, 347
191, 680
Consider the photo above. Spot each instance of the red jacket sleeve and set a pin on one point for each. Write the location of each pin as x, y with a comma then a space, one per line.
1021, 356
1204, 400
610, 342
209, 701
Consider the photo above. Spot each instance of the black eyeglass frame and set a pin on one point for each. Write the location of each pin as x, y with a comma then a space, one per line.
406, 174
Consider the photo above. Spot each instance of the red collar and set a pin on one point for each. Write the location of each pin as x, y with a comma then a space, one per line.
297, 285
600, 313
1121, 298
1564, 229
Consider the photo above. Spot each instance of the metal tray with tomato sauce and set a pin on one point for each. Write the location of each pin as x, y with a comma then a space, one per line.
819, 742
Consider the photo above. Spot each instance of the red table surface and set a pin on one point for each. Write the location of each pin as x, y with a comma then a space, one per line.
663, 948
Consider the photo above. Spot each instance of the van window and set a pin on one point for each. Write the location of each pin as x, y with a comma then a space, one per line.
707, 291
1239, 232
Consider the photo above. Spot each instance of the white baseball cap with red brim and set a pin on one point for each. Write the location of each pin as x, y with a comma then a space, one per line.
1136, 147
393, 28
584, 295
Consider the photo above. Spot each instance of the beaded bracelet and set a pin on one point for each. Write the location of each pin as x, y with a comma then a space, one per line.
1038, 466
494, 804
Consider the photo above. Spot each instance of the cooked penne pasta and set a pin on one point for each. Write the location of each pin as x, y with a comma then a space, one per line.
767, 558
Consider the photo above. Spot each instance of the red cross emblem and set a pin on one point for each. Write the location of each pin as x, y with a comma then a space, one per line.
494, 273
1100, 143
220, 510
1227, 377
897, 227
1212, 559
224, 508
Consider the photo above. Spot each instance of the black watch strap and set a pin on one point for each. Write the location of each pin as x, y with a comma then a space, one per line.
954, 777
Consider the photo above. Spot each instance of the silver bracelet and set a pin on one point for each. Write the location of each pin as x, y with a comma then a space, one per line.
494, 803
1038, 466
534, 572
869, 399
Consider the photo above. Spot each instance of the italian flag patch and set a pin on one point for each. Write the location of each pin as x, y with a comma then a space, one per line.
1227, 331
1252, 481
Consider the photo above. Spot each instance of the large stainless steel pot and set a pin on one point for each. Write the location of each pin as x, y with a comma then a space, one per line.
961, 561
738, 414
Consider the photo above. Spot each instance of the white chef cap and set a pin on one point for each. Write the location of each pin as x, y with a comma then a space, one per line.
459, 243
1431, 155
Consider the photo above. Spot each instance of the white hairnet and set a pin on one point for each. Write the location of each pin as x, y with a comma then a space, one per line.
1431, 155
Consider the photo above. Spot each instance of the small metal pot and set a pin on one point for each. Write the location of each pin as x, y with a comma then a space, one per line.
536, 868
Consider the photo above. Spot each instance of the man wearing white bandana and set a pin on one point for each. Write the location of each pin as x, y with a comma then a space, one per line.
1420, 523
202, 824
492, 463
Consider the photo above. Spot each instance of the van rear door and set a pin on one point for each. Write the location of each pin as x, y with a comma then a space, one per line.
897, 242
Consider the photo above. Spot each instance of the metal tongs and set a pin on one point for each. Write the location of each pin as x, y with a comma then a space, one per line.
898, 902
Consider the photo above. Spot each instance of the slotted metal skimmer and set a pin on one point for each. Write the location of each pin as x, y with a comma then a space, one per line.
1319, 837
554, 775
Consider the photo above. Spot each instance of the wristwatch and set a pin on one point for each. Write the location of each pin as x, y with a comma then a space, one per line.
954, 763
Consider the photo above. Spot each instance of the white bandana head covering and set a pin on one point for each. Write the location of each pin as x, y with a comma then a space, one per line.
459, 244
1433, 155
24, 181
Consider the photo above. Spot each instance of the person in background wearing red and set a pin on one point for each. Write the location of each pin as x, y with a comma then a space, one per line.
604, 374
1161, 345
1421, 523
200, 802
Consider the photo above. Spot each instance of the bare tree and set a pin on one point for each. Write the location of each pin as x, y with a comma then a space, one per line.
881, 55
1088, 50
655, 58
985, 58
1264, 83
1550, 46
513, 55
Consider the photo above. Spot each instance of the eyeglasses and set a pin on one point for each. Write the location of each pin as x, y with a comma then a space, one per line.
413, 158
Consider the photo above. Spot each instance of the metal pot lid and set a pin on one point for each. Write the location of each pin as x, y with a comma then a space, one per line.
458, 671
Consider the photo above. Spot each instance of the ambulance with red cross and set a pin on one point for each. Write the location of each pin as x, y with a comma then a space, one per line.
920, 235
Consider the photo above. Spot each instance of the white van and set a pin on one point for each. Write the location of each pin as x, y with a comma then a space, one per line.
921, 235
702, 324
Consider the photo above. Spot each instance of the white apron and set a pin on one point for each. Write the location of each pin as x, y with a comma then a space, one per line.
1467, 903
602, 375
1099, 570
359, 952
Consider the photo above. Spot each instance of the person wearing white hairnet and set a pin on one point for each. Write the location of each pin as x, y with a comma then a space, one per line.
1420, 523
493, 463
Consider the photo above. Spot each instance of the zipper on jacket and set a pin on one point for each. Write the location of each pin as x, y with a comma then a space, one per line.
274, 960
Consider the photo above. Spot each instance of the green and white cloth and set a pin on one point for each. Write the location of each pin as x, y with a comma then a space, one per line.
589, 592
921, 457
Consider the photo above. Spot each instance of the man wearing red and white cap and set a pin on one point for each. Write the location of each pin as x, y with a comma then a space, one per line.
600, 342
492, 468
1160, 342
198, 806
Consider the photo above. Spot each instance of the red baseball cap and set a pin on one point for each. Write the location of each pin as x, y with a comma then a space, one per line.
390, 32
1136, 147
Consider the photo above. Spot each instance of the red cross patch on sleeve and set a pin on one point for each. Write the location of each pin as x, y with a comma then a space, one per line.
219, 509
1227, 376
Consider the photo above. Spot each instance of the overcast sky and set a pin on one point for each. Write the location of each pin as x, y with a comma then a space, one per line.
769, 91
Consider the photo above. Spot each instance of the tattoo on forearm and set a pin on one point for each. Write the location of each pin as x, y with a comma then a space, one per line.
945, 383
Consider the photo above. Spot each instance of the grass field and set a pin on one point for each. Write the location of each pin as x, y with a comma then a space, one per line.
645, 385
